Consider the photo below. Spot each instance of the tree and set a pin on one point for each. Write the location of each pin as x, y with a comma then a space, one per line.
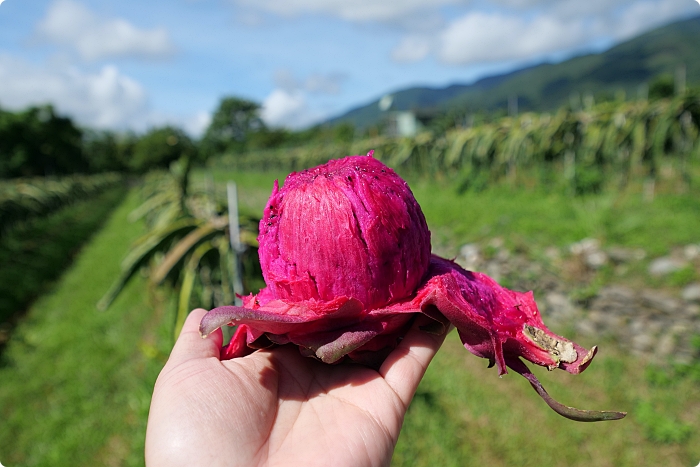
232, 125
662, 87
37, 142
107, 151
159, 147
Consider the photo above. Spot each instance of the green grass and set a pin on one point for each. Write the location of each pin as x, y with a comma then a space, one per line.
254, 188
464, 415
543, 219
76, 382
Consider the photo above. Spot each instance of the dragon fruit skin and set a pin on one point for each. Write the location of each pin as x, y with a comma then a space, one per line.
345, 253
327, 234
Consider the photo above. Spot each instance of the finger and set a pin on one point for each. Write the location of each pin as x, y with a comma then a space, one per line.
406, 365
190, 343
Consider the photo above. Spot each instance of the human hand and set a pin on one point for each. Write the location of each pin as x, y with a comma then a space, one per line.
276, 407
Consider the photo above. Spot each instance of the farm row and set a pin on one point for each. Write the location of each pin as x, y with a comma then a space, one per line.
24, 198
579, 151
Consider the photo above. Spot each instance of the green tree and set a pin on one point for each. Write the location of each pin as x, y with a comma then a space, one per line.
159, 147
107, 151
232, 125
37, 142
662, 87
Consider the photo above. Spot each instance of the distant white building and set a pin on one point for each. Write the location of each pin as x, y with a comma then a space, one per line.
402, 123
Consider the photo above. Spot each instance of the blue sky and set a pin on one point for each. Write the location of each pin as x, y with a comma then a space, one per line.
137, 64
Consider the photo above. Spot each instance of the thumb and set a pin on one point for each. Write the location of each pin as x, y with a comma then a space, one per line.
190, 344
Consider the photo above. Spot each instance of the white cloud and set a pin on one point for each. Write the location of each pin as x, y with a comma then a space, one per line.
106, 99
412, 49
324, 84
196, 124
484, 38
315, 83
517, 30
285, 109
288, 105
357, 10
648, 14
68, 23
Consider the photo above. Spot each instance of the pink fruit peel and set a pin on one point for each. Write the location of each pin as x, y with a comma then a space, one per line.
345, 253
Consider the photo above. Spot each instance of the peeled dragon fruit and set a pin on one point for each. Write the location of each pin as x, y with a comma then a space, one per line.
345, 253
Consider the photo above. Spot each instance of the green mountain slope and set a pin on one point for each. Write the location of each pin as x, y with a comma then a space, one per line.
623, 68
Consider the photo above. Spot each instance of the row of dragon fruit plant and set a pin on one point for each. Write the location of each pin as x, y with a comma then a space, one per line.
24, 198
187, 245
587, 150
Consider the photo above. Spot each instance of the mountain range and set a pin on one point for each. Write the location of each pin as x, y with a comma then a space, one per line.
625, 68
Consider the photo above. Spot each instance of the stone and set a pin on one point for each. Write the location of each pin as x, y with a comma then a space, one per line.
618, 254
637, 326
494, 270
559, 304
692, 310
642, 343
596, 259
690, 252
586, 327
469, 256
665, 265
660, 302
552, 253
586, 245
691, 292
666, 345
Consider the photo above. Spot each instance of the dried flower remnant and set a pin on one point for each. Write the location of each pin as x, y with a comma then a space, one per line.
345, 253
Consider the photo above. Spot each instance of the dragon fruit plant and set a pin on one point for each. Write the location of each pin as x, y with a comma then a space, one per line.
345, 253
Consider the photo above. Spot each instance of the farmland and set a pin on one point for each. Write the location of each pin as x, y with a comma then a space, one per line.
580, 151
523, 191
44, 223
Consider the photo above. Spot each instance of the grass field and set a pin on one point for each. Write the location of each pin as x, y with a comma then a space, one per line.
76, 382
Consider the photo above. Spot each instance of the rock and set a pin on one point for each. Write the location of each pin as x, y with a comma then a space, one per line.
666, 345
552, 253
666, 265
619, 254
494, 270
660, 302
690, 252
642, 343
618, 293
469, 256
596, 259
691, 293
679, 328
503, 255
589, 250
560, 305
496, 243
585, 246
637, 326
586, 327
692, 310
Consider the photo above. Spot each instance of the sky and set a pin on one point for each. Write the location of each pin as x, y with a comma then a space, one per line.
138, 64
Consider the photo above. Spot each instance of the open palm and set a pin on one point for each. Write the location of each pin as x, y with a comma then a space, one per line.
277, 407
